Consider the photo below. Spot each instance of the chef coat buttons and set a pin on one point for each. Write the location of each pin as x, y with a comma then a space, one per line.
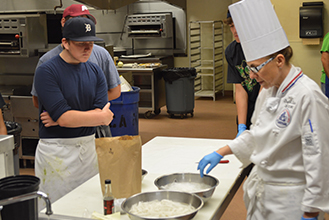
272, 104
263, 163
275, 132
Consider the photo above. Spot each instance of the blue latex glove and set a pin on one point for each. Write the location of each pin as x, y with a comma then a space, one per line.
241, 128
212, 159
314, 218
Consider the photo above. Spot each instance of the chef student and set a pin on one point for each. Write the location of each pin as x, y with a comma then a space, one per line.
246, 89
288, 139
73, 91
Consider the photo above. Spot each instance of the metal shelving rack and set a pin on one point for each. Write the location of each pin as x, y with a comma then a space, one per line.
206, 55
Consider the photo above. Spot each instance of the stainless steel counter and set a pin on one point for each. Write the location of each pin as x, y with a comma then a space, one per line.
6, 155
20, 109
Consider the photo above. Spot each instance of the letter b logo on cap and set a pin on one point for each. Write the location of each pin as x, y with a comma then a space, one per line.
88, 27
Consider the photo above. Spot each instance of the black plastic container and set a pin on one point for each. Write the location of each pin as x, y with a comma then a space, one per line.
14, 128
179, 83
15, 186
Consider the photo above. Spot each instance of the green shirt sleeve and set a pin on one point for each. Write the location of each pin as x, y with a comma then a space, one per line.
325, 43
324, 48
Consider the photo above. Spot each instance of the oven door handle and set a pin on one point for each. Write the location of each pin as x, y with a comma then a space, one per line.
145, 31
12, 43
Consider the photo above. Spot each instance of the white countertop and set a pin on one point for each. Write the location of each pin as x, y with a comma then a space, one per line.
160, 156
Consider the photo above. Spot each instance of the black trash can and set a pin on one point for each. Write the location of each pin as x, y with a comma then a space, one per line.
15, 186
15, 129
179, 83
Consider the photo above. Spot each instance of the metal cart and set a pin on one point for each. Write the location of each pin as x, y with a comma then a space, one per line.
206, 55
152, 94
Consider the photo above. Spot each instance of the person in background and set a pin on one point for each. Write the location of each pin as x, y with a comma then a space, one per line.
325, 65
3, 129
99, 56
72, 100
246, 89
288, 139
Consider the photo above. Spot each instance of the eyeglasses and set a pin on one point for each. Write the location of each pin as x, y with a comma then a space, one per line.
258, 68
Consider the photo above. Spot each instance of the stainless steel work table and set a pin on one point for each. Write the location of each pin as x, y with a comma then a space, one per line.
160, 156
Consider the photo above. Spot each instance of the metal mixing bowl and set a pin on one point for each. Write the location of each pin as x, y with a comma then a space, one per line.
206, 194
183, 197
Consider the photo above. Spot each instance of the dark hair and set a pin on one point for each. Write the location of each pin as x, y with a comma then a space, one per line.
69, 17
286, 52
228, 21
68, 41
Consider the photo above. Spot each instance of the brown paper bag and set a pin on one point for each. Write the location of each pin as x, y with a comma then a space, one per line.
119, 159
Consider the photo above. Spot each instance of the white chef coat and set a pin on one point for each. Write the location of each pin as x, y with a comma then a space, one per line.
62, 164
289, 145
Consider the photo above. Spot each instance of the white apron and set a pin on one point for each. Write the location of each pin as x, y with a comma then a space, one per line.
64, 164
282, 199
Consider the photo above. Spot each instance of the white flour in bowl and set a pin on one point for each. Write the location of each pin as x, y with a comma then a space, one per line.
186, 187
163, 208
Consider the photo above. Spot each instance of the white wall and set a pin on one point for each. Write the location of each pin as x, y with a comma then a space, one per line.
207, 10
308, 57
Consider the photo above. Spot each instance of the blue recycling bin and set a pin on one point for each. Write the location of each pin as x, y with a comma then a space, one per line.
125, 110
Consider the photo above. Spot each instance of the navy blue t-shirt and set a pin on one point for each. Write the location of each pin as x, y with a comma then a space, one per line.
61, 87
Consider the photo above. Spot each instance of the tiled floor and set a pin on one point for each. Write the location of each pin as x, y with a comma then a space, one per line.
26, 171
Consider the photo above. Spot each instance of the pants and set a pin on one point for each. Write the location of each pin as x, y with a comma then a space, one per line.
327, 87
323, 88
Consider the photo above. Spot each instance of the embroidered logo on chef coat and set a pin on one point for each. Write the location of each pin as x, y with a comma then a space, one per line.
283, 120
88, 27
308, 139
289, 102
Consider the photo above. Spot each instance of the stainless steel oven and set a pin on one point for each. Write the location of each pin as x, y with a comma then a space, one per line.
22, 35
151, 33
150, 25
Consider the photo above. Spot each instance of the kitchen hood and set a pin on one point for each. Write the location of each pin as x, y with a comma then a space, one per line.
179, 3
115, 4
107, 4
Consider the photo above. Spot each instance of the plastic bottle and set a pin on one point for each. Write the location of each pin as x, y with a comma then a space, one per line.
108, 198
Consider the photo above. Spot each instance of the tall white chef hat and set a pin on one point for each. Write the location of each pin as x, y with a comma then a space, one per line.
258, 27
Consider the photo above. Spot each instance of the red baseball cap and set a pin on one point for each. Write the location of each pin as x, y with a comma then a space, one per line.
77, 10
